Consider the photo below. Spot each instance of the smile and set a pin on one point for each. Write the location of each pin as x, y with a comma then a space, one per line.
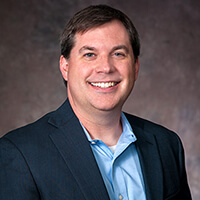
104, 84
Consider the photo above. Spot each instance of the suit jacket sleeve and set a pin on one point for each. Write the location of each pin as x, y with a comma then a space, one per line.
184, 193
16, 182
173, 163
50, 159
162, 161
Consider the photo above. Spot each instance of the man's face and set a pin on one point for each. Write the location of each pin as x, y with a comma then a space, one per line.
101, 70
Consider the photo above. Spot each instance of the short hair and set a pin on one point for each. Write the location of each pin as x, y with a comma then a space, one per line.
95, 16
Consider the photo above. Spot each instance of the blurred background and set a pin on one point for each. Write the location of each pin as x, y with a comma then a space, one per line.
167, 91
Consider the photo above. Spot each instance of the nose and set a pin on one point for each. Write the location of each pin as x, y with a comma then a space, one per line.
105, 65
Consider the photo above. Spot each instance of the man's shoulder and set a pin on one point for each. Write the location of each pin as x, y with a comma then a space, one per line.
143, 123
151, 128
36, 129
42, 126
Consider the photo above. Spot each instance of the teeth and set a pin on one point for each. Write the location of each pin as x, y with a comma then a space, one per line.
104, 85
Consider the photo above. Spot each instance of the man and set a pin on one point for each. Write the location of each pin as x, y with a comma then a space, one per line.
88, 148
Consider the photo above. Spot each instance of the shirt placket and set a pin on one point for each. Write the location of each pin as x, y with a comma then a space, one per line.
119, 185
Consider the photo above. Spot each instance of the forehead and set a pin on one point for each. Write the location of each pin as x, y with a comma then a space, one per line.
109, 33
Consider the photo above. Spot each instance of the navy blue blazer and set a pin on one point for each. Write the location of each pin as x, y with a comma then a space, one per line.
51, 159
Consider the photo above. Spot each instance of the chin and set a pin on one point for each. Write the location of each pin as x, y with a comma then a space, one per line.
108, 107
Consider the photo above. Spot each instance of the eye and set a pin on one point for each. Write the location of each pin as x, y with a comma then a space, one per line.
119, 54
89, 55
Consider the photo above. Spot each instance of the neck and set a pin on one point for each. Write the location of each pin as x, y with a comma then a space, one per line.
102, 125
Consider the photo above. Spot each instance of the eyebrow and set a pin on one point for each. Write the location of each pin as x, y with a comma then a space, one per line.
90, 48
121, 47
84, 48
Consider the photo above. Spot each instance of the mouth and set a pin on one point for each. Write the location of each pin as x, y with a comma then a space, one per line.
104, 84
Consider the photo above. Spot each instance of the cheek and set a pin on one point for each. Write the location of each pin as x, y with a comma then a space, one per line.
128, 71
74, 67
132, 70
79, 71
130, 77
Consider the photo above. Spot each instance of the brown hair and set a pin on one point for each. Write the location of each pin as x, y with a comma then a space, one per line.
94, 16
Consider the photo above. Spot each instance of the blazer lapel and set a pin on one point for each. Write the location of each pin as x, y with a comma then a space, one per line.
75, 149
150, 162
70, 137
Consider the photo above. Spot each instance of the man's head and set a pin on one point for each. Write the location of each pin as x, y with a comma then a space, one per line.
94, 16
99, 60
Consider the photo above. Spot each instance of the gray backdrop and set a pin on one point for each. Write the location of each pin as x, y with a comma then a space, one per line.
167, 91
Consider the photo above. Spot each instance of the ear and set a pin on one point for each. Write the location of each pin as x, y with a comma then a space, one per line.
137, 65
64, 65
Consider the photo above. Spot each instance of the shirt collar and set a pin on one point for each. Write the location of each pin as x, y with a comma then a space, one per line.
127, 129
126, 134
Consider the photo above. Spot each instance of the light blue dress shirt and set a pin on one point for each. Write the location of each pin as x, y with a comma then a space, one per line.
121, 170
